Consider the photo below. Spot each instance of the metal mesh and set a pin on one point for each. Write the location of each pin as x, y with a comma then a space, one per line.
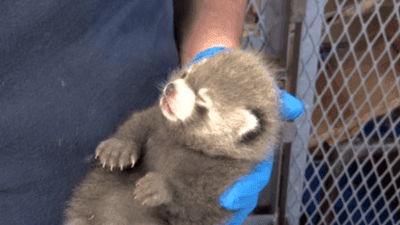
345, 160
264, 27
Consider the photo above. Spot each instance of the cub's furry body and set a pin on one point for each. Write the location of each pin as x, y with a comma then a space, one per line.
169, 164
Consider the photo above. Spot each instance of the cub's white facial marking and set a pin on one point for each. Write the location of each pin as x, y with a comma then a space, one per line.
190, 69
216, 124
180, 103
250, 121
202, 91
240, 122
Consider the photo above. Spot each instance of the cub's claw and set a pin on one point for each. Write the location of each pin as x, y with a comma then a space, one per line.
116, 153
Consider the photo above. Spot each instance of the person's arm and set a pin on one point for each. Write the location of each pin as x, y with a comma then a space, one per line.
202, 24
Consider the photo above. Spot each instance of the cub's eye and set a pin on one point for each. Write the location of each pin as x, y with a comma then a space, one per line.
183, 76
201, 110
198, 97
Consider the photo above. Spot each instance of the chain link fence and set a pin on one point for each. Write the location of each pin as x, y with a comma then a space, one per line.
345, 158
343, 57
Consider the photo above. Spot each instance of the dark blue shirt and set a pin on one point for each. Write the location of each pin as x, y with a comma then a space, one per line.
70, 70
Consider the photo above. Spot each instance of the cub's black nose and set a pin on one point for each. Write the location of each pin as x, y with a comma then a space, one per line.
170, 89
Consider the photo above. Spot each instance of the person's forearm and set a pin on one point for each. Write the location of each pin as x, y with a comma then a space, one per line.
201, 24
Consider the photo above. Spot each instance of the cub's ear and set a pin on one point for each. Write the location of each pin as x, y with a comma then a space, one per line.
249, 121
251, 128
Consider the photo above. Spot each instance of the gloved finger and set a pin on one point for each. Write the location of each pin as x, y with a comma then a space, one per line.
240, 202
207, 54
290, 107
249, 185
239, 216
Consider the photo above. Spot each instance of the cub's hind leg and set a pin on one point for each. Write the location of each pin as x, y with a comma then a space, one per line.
119, 207
107, 197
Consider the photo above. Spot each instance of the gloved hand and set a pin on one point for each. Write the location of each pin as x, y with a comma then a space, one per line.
242, 196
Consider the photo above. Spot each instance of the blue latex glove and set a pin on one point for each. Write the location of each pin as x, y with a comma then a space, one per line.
242, 196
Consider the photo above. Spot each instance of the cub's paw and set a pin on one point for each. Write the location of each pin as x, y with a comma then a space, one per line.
113, 152
151, 190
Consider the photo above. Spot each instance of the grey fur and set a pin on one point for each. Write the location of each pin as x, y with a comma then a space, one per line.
180, 168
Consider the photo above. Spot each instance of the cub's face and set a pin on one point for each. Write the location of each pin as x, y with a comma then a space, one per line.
226, 101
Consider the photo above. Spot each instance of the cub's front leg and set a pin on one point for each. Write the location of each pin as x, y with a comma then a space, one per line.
152, 190
114, 152
123, 148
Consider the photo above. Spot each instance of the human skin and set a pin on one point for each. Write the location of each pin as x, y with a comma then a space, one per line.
202, 24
